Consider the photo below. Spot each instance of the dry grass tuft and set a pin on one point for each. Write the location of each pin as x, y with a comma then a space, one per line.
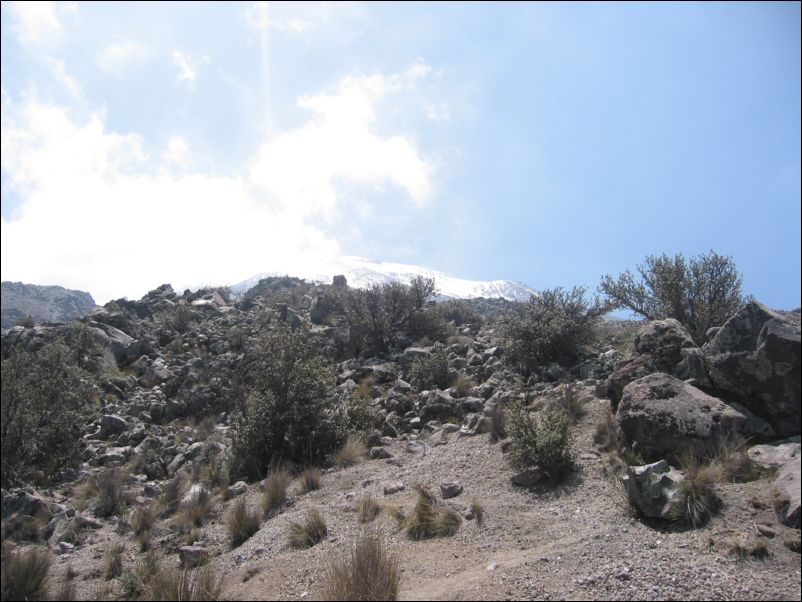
113, 560
463, 386
312, 531
731, 461
241, 522
350, 453
194, 508
697, 498
572, 403
607, 436
430, 520
275, 490
172, 494
367, 508
106, 491
478, 511
498, 423
367, 572
309, 479
745, 546
176, 584
142, 519
23, 573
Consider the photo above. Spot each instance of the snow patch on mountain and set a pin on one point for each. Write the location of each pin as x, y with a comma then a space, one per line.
361, 273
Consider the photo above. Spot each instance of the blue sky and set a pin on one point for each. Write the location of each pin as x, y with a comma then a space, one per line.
546, 143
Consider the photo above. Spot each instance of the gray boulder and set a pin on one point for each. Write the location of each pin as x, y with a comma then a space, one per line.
788, 486
660, 346
653, 488
756, 359
662, 414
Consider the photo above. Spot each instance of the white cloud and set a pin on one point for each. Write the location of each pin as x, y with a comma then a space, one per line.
36, 22
64, 78
114, 56
186, 70
261, 16
99, 214
305, 165
177, 152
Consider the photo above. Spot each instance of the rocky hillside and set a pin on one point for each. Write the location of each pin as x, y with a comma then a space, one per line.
160, 473
42, 303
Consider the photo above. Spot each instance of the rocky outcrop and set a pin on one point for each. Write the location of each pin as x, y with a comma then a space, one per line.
660, 414
42, 303
660, 346
755, 359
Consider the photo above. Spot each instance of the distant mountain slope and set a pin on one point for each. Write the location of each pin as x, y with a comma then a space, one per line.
42, 303
362, 273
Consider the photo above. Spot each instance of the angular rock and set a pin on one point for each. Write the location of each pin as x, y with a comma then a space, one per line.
394, 487
528, 477
111, 424
777, 454
379, 453
789, 486
756, 359
449, 490
653, 488
662, 414
192, 556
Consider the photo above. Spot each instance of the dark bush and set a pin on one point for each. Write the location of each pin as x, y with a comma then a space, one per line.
45, 403
552, 327
384, 314
539, 440
285, 416
431, 371
701, 292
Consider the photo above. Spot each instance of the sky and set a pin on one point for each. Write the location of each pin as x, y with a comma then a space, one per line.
546, 143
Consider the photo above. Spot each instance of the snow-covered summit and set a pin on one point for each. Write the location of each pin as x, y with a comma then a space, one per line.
361, 273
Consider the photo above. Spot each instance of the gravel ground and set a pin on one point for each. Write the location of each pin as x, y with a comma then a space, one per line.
575, 542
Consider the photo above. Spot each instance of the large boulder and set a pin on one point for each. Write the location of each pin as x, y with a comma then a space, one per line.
662, 414
755, 358
660, 346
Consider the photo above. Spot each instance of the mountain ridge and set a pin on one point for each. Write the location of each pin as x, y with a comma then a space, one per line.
363, 272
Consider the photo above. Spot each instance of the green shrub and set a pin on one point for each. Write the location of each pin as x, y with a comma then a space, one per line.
458, 312
367, 572
539, 440
701, 292
45, 403
383, 314
285, 416
552, 326
431, 371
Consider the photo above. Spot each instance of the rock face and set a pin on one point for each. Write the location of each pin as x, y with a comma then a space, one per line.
756, 359
788, 486
661, 413
42, 303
